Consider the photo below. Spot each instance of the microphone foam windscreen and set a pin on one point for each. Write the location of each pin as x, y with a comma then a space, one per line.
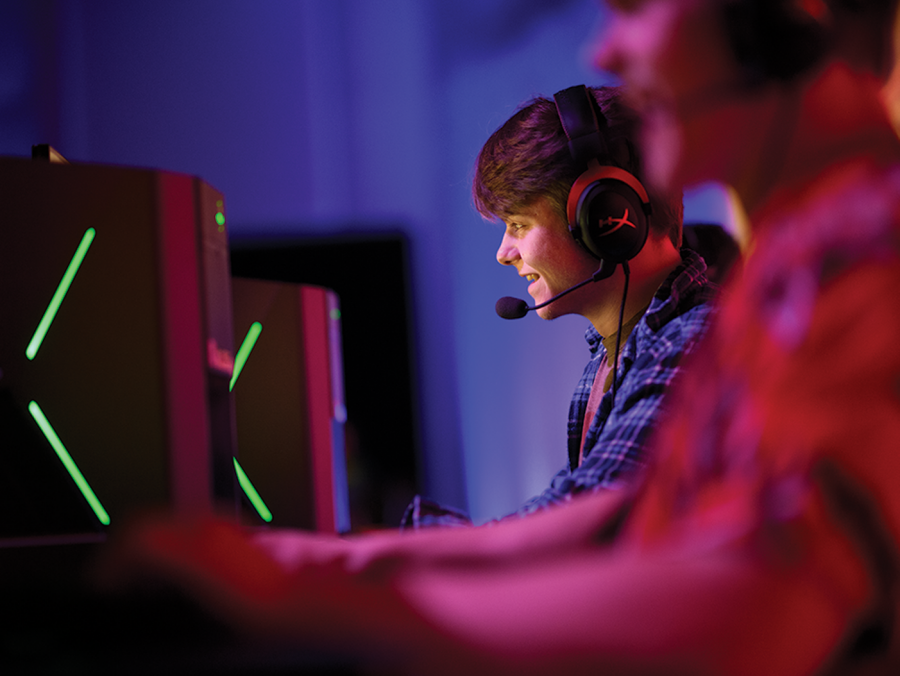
511, 308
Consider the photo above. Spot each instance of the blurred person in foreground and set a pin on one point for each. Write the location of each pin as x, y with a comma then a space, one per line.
764, 538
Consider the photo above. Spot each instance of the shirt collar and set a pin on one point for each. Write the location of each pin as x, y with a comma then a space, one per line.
682, 282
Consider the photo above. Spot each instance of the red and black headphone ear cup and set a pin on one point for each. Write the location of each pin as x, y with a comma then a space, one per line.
608, 207
608, 211
611, 222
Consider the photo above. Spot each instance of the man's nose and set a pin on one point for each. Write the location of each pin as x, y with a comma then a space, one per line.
507, 254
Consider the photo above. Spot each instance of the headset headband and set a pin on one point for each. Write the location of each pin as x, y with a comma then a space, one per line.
583, 122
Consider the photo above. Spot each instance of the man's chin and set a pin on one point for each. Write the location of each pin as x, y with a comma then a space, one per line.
548, 312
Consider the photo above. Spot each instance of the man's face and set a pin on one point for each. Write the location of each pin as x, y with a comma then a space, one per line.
680, 74
538, 244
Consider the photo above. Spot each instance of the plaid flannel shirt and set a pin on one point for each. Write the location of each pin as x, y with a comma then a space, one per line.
615, 443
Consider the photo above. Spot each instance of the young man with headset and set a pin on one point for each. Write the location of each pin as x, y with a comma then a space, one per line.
562, 175
765, 538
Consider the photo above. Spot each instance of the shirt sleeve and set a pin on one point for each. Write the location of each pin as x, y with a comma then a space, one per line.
425, 513
615, 445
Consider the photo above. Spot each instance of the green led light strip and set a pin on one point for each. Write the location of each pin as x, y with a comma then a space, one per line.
255, 500
244, 352
67, 461
61, 290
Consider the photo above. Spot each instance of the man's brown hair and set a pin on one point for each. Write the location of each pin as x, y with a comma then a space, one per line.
528, 158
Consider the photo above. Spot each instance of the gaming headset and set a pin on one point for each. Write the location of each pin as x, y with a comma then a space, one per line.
608, 208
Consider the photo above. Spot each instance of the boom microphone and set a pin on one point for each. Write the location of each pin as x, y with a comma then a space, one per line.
516, 308
512, 308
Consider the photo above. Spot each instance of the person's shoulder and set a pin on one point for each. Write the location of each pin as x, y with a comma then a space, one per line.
686, 326
685, 301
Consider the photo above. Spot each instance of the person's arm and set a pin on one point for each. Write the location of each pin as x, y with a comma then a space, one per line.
593, 612
582, 609
567, 526
248, 566
327, 591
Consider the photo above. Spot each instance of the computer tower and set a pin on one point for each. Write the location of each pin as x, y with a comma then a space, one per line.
116, 348
289, 400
